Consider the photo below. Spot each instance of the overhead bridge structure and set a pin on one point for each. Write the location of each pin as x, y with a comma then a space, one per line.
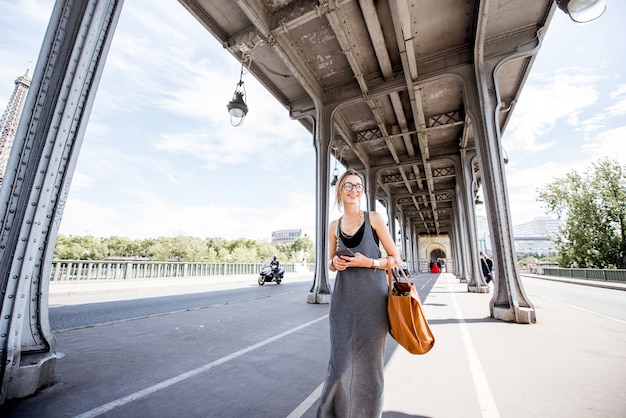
415, 94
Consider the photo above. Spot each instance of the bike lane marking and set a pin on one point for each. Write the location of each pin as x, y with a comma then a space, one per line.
485, 397
174, 380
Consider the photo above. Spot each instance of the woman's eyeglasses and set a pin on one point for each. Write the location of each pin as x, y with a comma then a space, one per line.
358, 187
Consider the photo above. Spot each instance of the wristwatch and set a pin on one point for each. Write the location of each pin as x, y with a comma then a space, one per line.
376, 263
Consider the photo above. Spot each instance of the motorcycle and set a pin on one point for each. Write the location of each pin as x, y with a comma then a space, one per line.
270, 273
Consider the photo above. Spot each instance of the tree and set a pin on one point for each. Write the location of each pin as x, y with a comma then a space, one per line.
180, 248
217, 249
118, 246
80, 248
593, 206
302, 247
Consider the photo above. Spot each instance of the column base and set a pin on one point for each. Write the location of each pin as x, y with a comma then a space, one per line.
478, 289
522, 316
313, 297
35, 372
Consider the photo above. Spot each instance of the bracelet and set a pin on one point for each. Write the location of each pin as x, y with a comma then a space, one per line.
376, 263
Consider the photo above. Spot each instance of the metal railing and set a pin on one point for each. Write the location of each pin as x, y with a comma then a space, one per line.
127, 270
605, 275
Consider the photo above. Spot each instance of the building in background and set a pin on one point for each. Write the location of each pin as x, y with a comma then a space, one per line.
286, 236
542, 226
534, 237
484, 237
530, 238
538, 246
10, 120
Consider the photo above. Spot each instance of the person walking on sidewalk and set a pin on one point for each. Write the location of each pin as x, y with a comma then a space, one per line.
358, 309
486, 268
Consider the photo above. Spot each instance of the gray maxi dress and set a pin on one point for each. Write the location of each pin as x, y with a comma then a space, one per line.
358, 330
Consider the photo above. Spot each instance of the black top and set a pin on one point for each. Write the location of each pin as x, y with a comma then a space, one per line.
485, 267
355, 240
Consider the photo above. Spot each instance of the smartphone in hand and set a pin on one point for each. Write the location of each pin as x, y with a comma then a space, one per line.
344, 252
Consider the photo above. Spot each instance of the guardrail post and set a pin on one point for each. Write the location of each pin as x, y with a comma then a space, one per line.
128, 270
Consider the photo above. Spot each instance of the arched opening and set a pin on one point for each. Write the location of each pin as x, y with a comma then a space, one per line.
437, 255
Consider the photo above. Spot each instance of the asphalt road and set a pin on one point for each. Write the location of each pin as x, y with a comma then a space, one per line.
64, 317
190, 363
607, 302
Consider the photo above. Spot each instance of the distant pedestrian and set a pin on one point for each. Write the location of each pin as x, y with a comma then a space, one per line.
434, 268
489, 261
485, 267
405, 267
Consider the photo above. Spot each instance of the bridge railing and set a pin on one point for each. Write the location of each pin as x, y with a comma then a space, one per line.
587, 274
128, 270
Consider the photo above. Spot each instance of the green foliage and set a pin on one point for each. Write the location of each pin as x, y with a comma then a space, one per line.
302, 243
593, 206
181, 248
523, 261
80, 248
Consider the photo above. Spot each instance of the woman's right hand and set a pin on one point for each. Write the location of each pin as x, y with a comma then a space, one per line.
340, 263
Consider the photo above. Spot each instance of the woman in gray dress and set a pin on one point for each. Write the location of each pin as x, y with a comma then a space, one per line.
358, 309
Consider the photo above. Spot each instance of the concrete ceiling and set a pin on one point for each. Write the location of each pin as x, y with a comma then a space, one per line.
392, 68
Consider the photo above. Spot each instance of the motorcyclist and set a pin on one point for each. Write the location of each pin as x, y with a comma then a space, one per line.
271, 272
274, 263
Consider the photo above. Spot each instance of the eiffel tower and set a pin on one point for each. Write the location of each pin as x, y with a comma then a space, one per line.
10, 120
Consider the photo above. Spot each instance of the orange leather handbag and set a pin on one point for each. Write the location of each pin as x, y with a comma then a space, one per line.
408, 325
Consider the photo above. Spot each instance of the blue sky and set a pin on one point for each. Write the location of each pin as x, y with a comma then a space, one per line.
160, 158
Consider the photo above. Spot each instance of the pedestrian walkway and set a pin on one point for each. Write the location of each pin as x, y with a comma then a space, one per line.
87, 291
267, 358
582, 282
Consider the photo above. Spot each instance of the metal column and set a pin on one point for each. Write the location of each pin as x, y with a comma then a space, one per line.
37, 180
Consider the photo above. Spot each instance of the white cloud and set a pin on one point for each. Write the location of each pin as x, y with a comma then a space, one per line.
592, 124
160, 157
23, 24
545, 101
617, 109
619, 91
154, 216
610, 143
524, 180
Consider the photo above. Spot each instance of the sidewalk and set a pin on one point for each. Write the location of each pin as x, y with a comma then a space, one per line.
583, 282
72, 292
267, 358
86, 291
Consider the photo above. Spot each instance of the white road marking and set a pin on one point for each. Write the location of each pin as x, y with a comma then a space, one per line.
169, 382
307, 403
486, 401
582, 309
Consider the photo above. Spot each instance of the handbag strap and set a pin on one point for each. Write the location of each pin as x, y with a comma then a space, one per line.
404, 275
391, 275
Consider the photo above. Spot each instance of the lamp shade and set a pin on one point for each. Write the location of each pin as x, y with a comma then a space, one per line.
237, 109
582, 11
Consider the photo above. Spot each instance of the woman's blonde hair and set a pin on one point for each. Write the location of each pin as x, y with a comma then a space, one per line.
342, 180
